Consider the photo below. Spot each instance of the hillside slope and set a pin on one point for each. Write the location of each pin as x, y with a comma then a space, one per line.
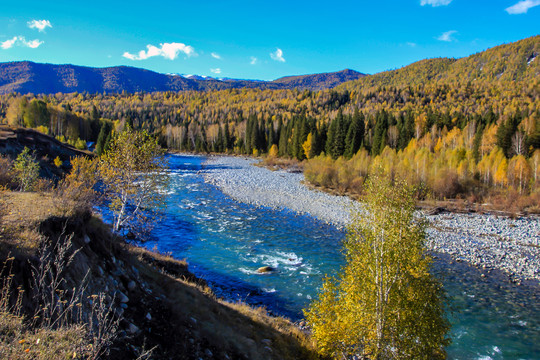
156, 301
517, 61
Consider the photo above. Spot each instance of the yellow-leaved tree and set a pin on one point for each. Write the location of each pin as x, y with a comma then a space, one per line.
307, 145
273, 153
384, 304
132, 172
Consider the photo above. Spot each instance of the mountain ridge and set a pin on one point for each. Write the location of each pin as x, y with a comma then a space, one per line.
41, 78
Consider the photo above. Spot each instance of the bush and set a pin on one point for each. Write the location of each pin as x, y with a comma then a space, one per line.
76, 191
446, 185
43, 185
26, 169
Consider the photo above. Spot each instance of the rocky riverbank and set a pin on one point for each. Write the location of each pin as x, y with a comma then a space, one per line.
488, 242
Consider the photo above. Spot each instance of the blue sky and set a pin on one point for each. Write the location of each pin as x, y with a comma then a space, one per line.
259, 39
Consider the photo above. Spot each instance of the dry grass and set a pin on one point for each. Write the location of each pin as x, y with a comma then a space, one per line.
23, 213
46, 344
6, 175
28, 208
275, 163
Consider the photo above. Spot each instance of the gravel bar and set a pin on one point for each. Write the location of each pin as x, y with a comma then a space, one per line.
485, 241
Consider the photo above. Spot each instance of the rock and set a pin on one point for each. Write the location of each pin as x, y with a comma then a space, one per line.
122, 297
100, 271
131, 285
251, 342
132, 328
265, 269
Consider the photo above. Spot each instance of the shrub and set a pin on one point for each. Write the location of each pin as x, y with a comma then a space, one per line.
26, 168
76, 191
57, 162
446, 185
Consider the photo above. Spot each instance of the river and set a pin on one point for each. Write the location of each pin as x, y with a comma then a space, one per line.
225, 241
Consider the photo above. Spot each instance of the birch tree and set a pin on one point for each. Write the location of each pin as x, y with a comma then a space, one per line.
132, 172
384, 304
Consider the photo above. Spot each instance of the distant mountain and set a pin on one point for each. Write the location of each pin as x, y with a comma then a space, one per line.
319, 81
29, 77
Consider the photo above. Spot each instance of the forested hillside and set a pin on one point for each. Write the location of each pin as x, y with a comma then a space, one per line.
460, 127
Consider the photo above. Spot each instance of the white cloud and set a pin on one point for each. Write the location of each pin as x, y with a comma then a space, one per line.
216, 71
9, 43
522, 7
216, 56
253, 60
447, 36
40, 25
20, 41
411, 44
435, 3
277, 55
32, 43
167, 50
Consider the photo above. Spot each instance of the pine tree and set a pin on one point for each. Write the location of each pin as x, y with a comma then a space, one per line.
102, 138
355, 135
338, 147
227, 141
379, 135
330, 137
218, 144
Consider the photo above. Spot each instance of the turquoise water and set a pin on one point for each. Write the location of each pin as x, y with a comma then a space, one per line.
225, 242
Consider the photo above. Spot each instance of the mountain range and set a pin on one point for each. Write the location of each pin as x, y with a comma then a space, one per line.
29, 77
517, 61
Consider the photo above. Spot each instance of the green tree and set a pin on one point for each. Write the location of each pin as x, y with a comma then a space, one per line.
132, 172
26, 169
104, 132
385, 304
355, 135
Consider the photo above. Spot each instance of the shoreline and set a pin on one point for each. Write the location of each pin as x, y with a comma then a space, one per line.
486, 241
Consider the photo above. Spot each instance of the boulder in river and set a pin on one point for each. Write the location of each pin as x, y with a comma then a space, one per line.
265, 269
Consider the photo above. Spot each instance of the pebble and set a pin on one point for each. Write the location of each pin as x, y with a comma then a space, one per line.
483, 240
